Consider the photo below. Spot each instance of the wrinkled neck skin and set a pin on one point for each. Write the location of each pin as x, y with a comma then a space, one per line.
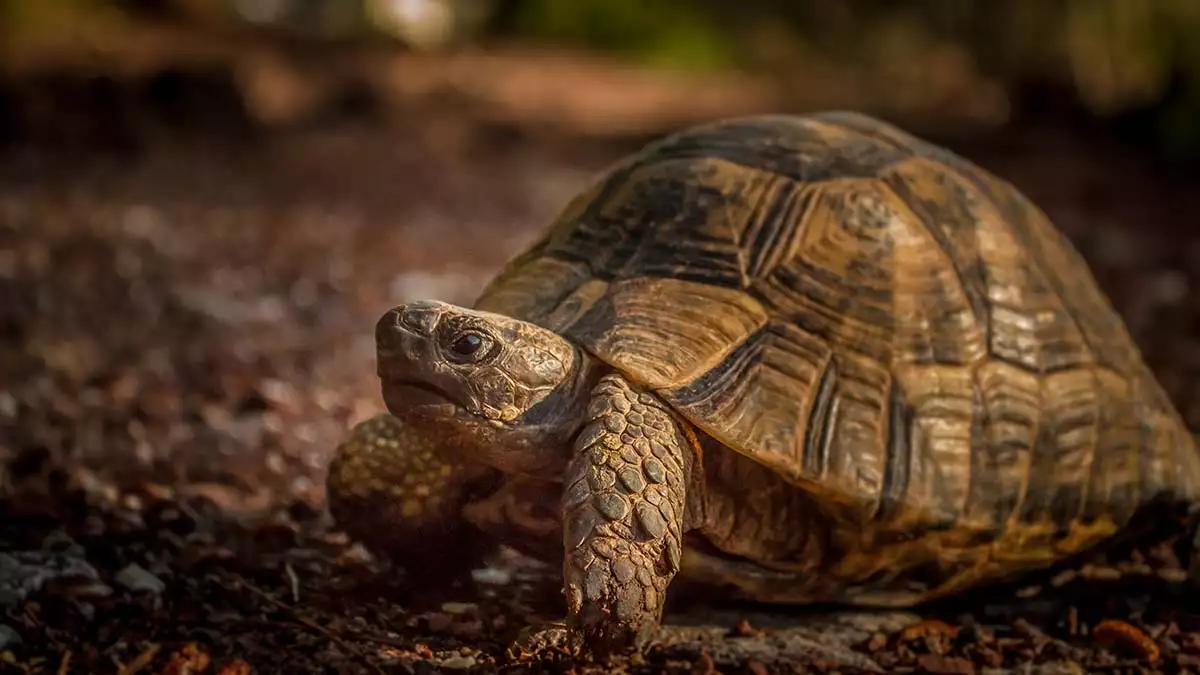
537, 444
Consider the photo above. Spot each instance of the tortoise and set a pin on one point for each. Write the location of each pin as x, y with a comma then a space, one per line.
796, 358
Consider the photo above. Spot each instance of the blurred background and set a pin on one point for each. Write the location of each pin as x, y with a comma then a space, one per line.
206, 204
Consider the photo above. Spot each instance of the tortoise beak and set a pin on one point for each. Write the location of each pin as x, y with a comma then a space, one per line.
415, 318
403, 335
405, 342
404, 329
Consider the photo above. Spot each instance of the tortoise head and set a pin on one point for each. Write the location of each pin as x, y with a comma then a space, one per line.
506, 391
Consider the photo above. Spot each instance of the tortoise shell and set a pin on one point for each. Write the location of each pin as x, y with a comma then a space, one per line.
877, 320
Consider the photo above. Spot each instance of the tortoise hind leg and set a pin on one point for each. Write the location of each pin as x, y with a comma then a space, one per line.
623, 513
390, 488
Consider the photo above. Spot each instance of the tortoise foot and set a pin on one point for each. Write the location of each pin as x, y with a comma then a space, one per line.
536, 641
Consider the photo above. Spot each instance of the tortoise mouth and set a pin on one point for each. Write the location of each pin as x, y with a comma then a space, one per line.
407, 396
420, 399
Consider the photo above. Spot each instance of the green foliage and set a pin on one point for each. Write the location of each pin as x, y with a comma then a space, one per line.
1113, 56
670, 33
28, 16
1116, 56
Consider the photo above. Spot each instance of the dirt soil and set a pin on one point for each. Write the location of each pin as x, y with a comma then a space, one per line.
186, 333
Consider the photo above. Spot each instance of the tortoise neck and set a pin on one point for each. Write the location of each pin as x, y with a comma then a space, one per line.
541, 444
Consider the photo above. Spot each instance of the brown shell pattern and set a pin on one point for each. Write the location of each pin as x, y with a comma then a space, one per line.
874, 318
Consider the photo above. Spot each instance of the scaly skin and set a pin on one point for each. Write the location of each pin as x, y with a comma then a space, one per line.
476, 394
623, 504
392, 489
531, 406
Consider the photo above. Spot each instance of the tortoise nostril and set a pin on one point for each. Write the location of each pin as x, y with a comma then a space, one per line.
418, 319
390, 329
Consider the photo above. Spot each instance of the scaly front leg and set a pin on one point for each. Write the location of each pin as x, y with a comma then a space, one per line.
623, 506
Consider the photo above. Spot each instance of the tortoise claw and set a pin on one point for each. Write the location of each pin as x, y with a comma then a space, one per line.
536, 640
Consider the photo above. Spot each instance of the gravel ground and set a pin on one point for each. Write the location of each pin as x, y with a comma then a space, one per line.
186, 334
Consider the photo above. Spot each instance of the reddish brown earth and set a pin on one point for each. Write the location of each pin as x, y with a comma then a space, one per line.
186, 333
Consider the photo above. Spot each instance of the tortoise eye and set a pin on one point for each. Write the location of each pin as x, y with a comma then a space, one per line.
469, 346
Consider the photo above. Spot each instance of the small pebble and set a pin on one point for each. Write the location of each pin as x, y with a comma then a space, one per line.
492, 576
8, 637
61, 542
235, 667
704, 665
1029, 592
1174, 576
926, 628
138, 580
1100, 573
755, 667
1063, 578
459, 662
459, 607
945, 665
436, 622
743, 629
1128, 637
61, 574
